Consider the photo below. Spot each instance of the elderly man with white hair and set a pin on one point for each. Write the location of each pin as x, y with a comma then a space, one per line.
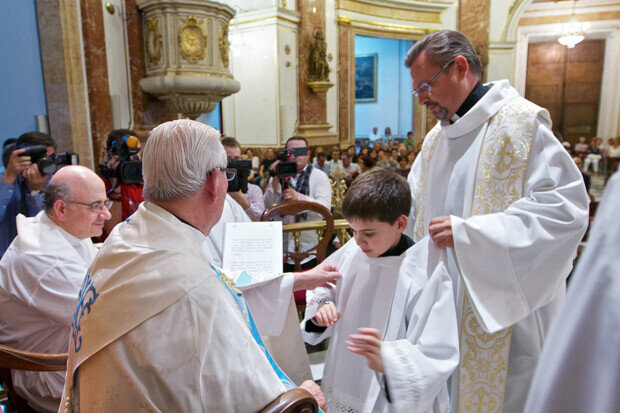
157, 328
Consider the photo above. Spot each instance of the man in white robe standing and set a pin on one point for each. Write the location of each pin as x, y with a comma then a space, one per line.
41, 274
494, 187
157, 327
579, 368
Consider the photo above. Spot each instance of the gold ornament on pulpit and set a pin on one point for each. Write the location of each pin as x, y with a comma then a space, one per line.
223, 44
153, 40
192, 40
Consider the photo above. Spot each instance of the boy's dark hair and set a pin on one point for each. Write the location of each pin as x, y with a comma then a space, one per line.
377, 194
321, 155
401, 158
117, 135
230, 142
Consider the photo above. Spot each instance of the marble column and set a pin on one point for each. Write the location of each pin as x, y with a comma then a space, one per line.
346, 90
312, 123
474, 16
58, 24
100, 103
148, 111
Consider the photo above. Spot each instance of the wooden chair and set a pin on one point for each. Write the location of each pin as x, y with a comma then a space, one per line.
293, 401
14, 359
325, 232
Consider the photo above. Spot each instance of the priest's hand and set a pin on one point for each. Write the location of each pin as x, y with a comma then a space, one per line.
323, 275
327, 315
440, 230
312, 388
368, 344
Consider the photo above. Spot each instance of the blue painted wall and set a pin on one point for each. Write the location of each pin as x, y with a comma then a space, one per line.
394, 105
212, 118
22, 93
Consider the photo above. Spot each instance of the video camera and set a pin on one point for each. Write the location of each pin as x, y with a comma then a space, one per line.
286, 168
47, 165
240, 181
128, 170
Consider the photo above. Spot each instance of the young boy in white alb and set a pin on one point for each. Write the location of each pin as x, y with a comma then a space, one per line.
391, 318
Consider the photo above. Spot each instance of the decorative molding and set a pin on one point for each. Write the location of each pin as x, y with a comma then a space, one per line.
224, 44
153, 40
415, 11
272, 15
384, 28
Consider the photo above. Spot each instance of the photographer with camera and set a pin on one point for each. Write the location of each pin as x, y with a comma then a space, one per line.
122, 175
22, 182
294, 179
247, 195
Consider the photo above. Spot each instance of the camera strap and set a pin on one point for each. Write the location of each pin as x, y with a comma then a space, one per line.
23, 202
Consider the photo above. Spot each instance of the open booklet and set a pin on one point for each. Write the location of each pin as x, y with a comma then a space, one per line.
252, 251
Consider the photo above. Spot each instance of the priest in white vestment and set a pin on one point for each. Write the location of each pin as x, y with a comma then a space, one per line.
495, 188
156, 326
579, 368
394, 306
41, 274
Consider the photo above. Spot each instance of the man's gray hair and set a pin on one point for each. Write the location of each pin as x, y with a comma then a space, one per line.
177, 157
54, 192
443, 46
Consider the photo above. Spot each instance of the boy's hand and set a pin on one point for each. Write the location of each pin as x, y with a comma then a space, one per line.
327, 315
320, 276
368, 344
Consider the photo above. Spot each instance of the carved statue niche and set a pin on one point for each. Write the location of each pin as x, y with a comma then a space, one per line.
318, 68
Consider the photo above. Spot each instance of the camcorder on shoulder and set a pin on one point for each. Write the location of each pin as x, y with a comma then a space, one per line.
47, 165
128, 170
240, 181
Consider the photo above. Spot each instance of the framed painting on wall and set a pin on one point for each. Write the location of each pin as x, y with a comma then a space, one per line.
366, 78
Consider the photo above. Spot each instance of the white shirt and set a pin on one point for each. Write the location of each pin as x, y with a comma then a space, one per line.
352, 169
533, 242
41, 275
320, 191
579, 368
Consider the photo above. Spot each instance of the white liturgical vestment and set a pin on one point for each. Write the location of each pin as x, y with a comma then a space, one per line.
518, 209
409, 299
272, 305
155, 329
40, 277
579, 368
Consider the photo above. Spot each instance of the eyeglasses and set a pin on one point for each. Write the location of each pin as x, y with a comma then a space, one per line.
96, 206
426, 87
230, 172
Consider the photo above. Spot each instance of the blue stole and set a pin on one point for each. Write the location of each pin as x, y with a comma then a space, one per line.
249, 321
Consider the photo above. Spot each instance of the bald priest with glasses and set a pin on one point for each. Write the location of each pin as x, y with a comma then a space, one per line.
41, 274
497, 190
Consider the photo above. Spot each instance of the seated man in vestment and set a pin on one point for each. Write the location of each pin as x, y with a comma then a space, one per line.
157, 327
394, 306
41, 274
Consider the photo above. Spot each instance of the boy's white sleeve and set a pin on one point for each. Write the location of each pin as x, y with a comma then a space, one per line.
417, 368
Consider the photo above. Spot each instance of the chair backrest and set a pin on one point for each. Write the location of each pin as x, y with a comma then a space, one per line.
14, 359
292, 401
293, 208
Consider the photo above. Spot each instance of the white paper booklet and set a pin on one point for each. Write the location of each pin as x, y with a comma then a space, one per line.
252, 250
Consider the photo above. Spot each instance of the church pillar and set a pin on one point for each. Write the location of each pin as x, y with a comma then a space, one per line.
474, 21
312, 123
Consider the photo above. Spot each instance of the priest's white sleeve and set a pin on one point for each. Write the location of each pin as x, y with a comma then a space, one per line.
578, 368
516, 261
417, 368
269, 303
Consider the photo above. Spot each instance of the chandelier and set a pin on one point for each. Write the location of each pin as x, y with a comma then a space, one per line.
572, 32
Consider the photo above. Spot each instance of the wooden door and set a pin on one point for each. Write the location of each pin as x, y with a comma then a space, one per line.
567, 82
